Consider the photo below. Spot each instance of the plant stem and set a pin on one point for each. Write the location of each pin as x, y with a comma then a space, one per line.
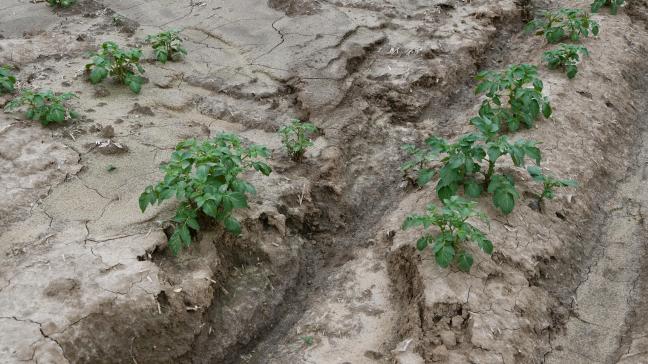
489, 174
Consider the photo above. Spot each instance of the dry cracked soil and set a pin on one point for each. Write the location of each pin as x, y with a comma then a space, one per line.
322, 272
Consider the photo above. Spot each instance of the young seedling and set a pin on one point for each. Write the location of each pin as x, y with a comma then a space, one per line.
308, 340
296, 138
521, 88
462, 161
44, 106
448, 244
61, 3
549, 183
118, 63
613, 4
7, 80
564, 23
420, 158
205, 178
566, 56
167, 45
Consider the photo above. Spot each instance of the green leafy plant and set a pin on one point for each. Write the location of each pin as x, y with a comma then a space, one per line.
167, 45
296, 138
549, 183
7, 80
470, 163
205, 178
44, 106
308, 340
118, 63
566, 56
454, 232
613, 4
520, 88
564, 23
61, 3
420, 158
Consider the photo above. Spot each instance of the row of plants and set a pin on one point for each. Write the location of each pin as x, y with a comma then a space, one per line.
123, 65
513, 100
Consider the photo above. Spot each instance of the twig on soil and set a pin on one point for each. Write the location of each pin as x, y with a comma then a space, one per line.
131, 350
301, 196
220, 285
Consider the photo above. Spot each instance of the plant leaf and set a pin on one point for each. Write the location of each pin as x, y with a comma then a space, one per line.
445, 255
232, 225
465, 261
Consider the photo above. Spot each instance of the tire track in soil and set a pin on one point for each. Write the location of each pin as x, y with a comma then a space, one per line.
608, 323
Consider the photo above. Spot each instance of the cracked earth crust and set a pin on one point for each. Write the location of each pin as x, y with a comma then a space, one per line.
322, 273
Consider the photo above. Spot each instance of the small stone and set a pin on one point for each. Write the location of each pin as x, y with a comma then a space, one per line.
534, 205
440, 353
101, 91
95, 128
66, 84
448, 338
81, 37
107, 132
374, 355
141, 110
457, 321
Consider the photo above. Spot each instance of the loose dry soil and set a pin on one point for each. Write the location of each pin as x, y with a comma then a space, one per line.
323, 272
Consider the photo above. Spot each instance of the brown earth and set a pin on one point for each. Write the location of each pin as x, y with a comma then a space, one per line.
323, 272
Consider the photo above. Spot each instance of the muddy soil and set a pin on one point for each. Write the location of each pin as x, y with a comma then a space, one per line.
322, 272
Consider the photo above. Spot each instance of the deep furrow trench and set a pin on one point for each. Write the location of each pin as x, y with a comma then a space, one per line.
327, 251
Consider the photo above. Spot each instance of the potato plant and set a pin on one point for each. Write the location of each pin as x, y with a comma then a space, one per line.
167, 45
549, 183
564, 23
205, 178
448, 244
7, 81
469, 163
296, 138
613, 4
44, 106
61, 3
565, 56
121, 64
418, 163
520, 88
